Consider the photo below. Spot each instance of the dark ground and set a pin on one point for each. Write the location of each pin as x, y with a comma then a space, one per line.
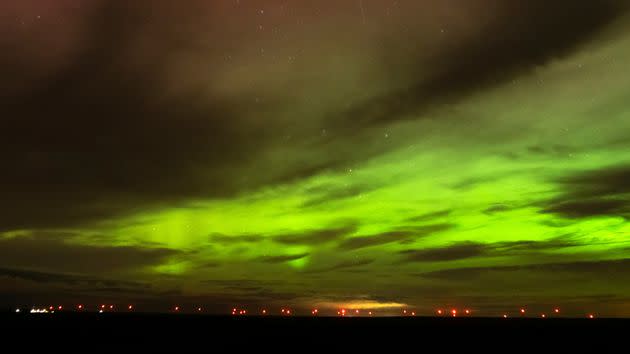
292, 333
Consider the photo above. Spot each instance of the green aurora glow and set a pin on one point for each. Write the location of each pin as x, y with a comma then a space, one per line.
512, 192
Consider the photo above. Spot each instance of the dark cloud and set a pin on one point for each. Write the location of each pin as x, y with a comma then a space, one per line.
85, 140
402, 236
316, 237
48, 253
282, 258
234, 239
430, 216
72, 279
457, 251
344, 265
615, 269
467, 249
497, 208
323, 195
528, 34
374, 240
603, 192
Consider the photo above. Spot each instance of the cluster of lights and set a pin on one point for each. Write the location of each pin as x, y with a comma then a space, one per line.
241, 312
287, 312
453, 312
42, 310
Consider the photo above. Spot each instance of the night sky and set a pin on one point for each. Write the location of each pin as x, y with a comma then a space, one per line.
363, 154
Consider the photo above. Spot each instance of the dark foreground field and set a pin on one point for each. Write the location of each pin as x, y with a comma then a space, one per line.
292, 333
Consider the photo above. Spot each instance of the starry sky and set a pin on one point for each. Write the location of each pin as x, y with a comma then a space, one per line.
357, 153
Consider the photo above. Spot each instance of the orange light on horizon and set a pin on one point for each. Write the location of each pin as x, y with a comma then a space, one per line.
413, 314
264, 312
505, 316
176, 308
454, 312
370, 313
556, 310
591, 316
130, 307
80, 307
543, 315
467, 311
111, 307
198, 309
60, 307
522, 310
439, 312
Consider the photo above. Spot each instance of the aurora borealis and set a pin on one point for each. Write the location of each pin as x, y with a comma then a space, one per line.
365, 154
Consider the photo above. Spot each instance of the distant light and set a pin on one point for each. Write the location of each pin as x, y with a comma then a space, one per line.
556, 310
102, 306
504, 316
356, 311
543, 315
244, 311
591, 316
111, 307
467, 311
60, 307
51, 308
100, 311
454, 312
264, 312
130, 307
413, 314
80, 307
522, 310
17, 310
233, 310
404, 311
283, 310
176, 308
288, 312
343, 311
199, 309
439, 312
370, 313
